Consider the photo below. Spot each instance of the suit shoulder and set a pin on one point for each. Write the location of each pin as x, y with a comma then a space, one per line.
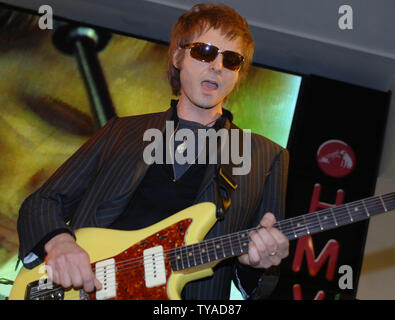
266, 142
261, 142
137, 121
140, 117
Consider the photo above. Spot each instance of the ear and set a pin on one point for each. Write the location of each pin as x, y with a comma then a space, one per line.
178, 58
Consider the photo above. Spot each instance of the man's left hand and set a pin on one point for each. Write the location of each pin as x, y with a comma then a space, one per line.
267, 247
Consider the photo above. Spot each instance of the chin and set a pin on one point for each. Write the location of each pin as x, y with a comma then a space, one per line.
207, 103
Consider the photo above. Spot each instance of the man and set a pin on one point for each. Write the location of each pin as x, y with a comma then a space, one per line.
106, 183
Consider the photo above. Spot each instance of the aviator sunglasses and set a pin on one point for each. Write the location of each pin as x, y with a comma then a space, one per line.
207, 53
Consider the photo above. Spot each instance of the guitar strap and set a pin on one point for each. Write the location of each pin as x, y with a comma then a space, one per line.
225, 185
225, 182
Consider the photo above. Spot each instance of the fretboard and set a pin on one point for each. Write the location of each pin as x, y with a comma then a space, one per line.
293, 228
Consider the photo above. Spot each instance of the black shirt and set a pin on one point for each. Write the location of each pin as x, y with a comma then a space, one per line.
165, 188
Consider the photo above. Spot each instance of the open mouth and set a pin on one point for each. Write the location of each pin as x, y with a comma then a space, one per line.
210, 85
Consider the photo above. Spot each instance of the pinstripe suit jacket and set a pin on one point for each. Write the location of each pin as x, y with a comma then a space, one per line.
93, 187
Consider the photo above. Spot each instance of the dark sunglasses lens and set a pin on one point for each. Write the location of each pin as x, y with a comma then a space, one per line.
204, 52
232, 60
208, 53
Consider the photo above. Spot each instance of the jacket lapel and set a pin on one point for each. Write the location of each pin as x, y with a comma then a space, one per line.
158, 123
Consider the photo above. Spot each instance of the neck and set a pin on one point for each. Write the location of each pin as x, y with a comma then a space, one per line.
230, 245
205, 116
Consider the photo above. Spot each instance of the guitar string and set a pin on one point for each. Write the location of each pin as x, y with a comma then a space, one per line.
285, 229
212, 247
137, 260
188, 249
76, 294
185, 248
107, 283
290, 227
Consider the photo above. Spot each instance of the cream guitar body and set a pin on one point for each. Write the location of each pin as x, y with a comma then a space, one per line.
118, 260
156, 262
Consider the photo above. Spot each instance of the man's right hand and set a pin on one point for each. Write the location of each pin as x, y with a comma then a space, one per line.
70, 264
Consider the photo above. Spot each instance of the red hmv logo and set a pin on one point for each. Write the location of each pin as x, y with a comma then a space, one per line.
336, 158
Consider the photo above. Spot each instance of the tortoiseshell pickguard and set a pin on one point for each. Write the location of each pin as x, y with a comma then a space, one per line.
130, 278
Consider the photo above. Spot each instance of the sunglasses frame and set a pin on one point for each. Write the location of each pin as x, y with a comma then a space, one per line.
195, 44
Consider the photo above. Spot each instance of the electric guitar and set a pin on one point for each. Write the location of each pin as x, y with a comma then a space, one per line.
156, 262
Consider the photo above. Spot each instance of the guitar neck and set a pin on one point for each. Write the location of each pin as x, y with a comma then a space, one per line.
293, 228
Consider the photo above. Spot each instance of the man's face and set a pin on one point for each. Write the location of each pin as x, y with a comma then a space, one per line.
207, 84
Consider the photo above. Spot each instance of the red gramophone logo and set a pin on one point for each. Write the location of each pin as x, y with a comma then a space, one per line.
336, 158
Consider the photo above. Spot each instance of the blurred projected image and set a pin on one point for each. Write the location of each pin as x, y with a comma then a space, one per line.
45, 113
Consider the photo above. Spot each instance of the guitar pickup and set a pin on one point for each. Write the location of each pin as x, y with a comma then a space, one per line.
105, 273
154, 267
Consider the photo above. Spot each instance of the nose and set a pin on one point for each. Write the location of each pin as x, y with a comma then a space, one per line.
217, 63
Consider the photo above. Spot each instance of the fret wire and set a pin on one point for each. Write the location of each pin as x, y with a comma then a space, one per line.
187, 256
223, 249
382, 201
192, 252
363, 203
305, 224
231, 247
319, 221
236, 241
349, 212
333, 215
181, 258
315, 223
175, 259
207, 251
215, 251
293, 228
200, 251
241, 247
